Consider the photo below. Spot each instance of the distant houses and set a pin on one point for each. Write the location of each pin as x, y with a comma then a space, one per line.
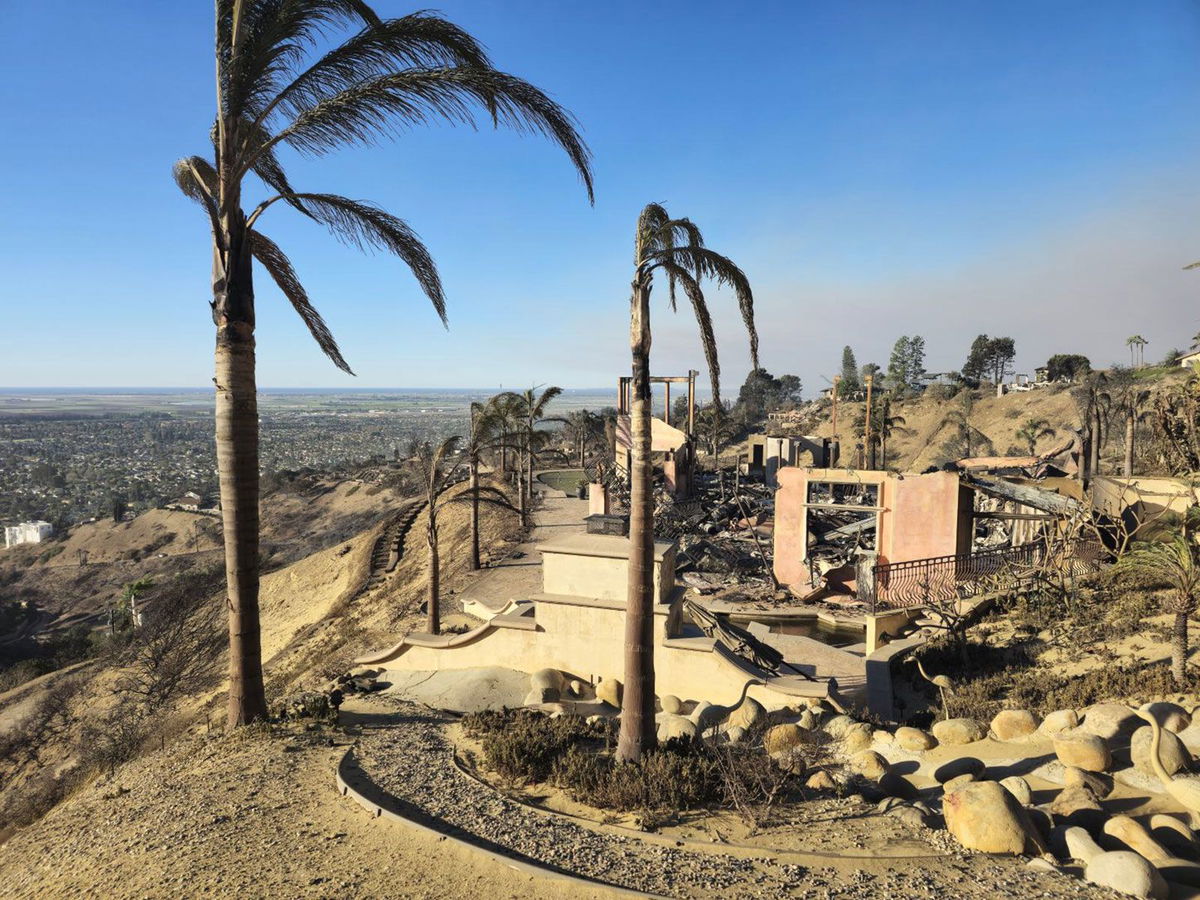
27, 533
194, 502
1190, 359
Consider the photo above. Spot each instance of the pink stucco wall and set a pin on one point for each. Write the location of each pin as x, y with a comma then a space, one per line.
922, 516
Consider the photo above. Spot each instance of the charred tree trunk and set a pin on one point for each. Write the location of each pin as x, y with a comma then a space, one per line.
1130, 428
474, 485
1179, 650
237, 467
434, 613
637, 716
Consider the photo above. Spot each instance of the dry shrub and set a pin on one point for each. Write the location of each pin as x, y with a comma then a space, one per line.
523, 745
679, 775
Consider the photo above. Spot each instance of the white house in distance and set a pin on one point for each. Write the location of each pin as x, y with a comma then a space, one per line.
1190, 359
27, 533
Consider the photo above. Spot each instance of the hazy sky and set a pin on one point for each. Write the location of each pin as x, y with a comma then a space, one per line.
877, 169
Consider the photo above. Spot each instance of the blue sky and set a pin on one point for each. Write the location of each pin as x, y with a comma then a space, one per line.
941, 168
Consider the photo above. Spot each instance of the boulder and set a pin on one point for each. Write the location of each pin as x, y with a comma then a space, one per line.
1019, 788
1014, 724
747, 715
896, 785
914, 739
958, 731
780, 738
1172, 753
1100, 785
537, 696
548, 678
671, 704
836, 726
821, 781
964, 765
1135, 837
910, 816
1059, 720
1071, 800
1080, 845
857, 737
1110, 720
674, 726
958, 781
1171, 716
868, 764
608, 690
1083, 750
1126, 873
881, 736
983, 816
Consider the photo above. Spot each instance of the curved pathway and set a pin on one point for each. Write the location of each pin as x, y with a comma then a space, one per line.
407, 754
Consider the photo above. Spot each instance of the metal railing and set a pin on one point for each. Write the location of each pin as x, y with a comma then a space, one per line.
944, 579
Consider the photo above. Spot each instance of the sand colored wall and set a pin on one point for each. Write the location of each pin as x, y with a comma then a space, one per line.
597, 566
921, 516
1112, 495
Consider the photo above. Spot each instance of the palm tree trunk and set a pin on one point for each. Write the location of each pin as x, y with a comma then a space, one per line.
1179, 650
474, 515
637, 716
1130, 425
434, 614
1097, 439
237, 471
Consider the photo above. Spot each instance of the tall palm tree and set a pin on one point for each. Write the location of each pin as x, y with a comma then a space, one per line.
583, 426
1033, 430
479, 440
272, 93
675, 249
1137, 349
439, 469
1177, 561
886, 425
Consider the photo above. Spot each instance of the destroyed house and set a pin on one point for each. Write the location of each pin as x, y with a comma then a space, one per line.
672, 448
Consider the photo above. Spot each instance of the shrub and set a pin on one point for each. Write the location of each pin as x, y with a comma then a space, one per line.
680, 775
524, 745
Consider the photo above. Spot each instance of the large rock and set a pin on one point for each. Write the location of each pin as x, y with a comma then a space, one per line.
1019, 788
958, 731
1083, 750
964, 765
837, 725
1071, 800
548, 678
1110, 720
1080, 845
671, 704
821, 781
608, 690
858, 736
983, 816
1136, 838
1059, 720
1172, 753
1126, 873
670, 726
1100, 785
1171, 716
780, 738
869, 764
1014, 724
747, 715
914, 739
538, 696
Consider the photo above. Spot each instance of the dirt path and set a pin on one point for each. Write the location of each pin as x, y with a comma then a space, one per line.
517, 578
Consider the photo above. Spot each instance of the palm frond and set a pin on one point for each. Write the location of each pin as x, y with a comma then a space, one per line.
197, 180
363, 225
708, 337
420, 40
1195, 265
385, 105
281, 271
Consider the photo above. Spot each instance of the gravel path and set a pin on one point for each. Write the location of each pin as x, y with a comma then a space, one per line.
412, 759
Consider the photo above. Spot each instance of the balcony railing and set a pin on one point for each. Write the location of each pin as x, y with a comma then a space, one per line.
944, 579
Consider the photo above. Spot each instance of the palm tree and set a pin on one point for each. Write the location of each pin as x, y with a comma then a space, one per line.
1176, 561
531, 408
439, 471
674, 248
480, 432
887, 425
582, 426
1032, 431
1137, 347
389, 75
715, 429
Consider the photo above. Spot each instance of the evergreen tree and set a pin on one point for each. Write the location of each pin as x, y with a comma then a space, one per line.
977, 365
850, 382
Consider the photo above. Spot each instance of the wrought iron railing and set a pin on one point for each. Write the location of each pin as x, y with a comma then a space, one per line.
944, 579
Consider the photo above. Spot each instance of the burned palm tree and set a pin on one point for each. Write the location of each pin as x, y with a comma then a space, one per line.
273, 91
674, 249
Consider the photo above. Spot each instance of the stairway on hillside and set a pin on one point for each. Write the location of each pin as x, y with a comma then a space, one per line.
389, 547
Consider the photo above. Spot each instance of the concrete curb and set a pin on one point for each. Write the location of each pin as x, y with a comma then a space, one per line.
353, 782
